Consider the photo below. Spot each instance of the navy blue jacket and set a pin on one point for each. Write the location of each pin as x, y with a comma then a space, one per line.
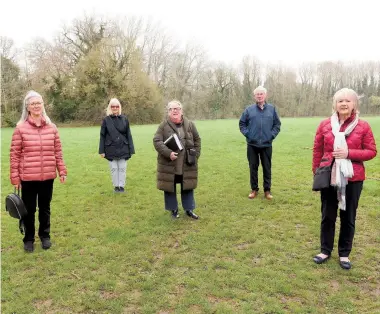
260, 126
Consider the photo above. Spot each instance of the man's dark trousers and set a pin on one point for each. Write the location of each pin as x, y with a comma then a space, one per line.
255, 155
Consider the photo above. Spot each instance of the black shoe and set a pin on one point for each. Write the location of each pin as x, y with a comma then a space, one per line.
45, 243
320, 260
29, 246
175, 213
121, 189
117, 189
345, 264
191, 214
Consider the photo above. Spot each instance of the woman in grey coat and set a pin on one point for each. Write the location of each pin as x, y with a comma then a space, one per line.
177, 166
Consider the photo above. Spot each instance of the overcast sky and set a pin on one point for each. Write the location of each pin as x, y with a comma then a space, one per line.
277, 31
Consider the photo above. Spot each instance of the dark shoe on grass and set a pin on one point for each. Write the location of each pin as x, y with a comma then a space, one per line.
45, 243
345, 264
319, 259
29, 246
116, 189
175, 214
191, 214
121, 189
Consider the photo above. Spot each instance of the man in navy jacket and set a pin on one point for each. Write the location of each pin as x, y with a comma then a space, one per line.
260, 125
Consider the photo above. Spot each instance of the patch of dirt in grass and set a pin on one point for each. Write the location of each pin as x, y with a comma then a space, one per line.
243, 246
370, 290
290, 299
178, 293
108, 295
195, 309
257, 259
215, 300
131, 309
334, 285
135, 295
158, 256
165, 312
5, 249
228, 259
43, 304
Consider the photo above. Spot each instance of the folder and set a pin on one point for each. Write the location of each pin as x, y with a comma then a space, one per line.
174, 143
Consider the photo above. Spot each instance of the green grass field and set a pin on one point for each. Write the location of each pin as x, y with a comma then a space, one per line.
124, 254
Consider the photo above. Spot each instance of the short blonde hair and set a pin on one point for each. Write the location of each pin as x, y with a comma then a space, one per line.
113, 101
345, 93
174, 102
260, 89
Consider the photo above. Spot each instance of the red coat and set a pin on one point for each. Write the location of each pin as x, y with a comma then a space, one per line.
361, 146
36, 153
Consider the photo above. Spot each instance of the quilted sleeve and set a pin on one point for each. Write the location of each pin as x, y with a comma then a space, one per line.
62, 171
318, 148
368, 150
15, 156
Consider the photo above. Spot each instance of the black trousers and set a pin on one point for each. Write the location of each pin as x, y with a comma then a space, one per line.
31, 193
329, 209
255, 155
187, 197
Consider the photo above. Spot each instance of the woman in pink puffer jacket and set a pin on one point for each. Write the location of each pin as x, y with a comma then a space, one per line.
35, 158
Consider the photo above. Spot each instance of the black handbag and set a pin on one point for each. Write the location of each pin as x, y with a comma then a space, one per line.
16, 208
322, 178
191, 155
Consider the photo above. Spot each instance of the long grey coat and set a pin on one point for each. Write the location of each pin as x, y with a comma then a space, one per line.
165, 166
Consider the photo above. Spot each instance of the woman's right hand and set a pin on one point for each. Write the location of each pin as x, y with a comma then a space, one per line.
173, 156
102, 155
17, 185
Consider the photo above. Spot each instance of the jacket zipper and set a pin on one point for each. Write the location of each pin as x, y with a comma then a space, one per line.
42, 168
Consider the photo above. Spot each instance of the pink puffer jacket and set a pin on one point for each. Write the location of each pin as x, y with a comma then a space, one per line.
36, 153
361, 146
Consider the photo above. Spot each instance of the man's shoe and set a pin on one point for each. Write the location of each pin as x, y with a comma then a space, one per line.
191, 214
345, 264
116, 189
45, 243
253, 194
268, 196
121, 189
175, 214
29, 246
319, 259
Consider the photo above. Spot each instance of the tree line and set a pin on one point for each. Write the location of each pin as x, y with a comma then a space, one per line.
94, 59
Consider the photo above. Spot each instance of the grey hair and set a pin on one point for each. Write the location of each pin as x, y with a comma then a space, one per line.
343, 94
113, 101
260, 89
25, 112
174, 102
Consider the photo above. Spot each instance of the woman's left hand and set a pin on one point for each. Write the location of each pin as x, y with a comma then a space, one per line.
340, 153
62, 179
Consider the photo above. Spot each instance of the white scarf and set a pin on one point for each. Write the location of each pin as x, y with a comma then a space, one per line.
342, 168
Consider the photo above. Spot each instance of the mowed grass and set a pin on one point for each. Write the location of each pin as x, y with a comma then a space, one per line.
122, 253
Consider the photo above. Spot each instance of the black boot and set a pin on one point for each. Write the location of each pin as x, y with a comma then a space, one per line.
191, 214
175, 213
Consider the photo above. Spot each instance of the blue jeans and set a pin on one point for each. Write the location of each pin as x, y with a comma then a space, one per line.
187, 197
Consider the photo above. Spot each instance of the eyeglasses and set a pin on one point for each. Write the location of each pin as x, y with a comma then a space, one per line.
115, 107
35, 104
175, 109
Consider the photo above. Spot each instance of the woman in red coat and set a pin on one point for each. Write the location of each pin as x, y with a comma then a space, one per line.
35, 157
345, 142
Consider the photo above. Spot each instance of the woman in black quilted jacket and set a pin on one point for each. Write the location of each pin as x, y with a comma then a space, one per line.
116, 143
